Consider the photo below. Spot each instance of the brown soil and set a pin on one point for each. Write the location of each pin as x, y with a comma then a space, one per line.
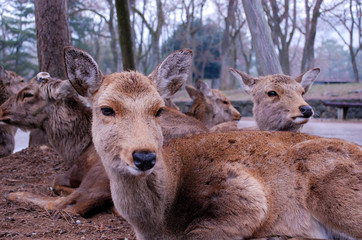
33, 170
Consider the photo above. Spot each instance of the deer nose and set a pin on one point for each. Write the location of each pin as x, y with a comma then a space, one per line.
307, 111
144, 160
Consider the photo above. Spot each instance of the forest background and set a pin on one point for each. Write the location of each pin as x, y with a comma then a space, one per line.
304, 34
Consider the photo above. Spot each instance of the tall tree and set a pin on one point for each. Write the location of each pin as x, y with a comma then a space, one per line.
125, 34
283, 25
350, 20
310, 34
225, 46
261, 37
17, 37
155, 30
52, 31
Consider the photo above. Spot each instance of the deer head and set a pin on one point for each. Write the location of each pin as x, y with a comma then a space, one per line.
132, 102
210, 106
278, 99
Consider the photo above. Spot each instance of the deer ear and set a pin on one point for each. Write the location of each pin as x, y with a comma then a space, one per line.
193, 92
172, 72
82, 71
246, 81
203, 88
307, 79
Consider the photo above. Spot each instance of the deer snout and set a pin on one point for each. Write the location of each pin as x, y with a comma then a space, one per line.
144, 160
306, 111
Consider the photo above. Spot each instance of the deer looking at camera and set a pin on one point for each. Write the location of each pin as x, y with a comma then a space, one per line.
212, 107
278, 99
10, 83
231, 185
54, 106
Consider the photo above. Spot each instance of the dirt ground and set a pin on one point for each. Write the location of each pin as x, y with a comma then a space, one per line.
33, 170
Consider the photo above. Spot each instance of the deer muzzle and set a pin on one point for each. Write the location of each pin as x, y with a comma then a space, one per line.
144, 160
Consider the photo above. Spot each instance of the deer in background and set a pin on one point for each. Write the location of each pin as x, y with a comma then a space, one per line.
55, 106
278, 99
10, 83
231, 185
212, 107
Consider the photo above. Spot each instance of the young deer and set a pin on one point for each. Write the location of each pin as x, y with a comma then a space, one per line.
278, 99
54, 106
211, 106
231, 185
9, 85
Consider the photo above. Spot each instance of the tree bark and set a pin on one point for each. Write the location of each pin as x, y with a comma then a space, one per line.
125, 35
225, 47
308, 50
53, 34
261, 38
52, 31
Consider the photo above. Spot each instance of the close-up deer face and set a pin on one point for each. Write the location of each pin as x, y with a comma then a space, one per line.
25, 109
210, 106
278, 99
126, 108
131, 102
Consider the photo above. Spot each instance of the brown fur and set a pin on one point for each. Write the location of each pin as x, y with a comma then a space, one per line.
211, 106
56, 107
282, 112
222, 185
10, 82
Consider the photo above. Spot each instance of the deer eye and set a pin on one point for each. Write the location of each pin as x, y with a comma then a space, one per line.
159, 112
106, 111
272, 94
303, 93
27, 95
225, 102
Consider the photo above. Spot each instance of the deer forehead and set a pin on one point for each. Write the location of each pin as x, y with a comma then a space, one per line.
128, 90
280, 83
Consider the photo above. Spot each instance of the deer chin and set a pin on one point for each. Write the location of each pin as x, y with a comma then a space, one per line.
300, 120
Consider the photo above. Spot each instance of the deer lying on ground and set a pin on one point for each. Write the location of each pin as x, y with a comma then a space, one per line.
10, 83
212, 107
54, 106
231, 185
278, 99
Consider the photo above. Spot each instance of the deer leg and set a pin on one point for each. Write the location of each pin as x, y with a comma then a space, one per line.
45, 202
236, 208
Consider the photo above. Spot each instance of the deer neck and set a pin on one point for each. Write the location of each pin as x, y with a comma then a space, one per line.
143, 200
69, 130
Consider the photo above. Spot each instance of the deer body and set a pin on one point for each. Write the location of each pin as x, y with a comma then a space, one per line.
217, 185
278, 99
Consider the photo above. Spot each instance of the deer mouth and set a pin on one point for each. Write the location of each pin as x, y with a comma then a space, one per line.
5, 121
300, 119
136, 172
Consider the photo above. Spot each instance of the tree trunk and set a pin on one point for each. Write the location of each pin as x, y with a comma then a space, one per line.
52, 32
225, 81
113, 37
125, 35
308, 50
354, 64
261, 37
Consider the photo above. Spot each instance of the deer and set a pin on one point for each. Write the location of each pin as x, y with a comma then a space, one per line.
55, 106
225, 185
10, 82
278, 99
212, 107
